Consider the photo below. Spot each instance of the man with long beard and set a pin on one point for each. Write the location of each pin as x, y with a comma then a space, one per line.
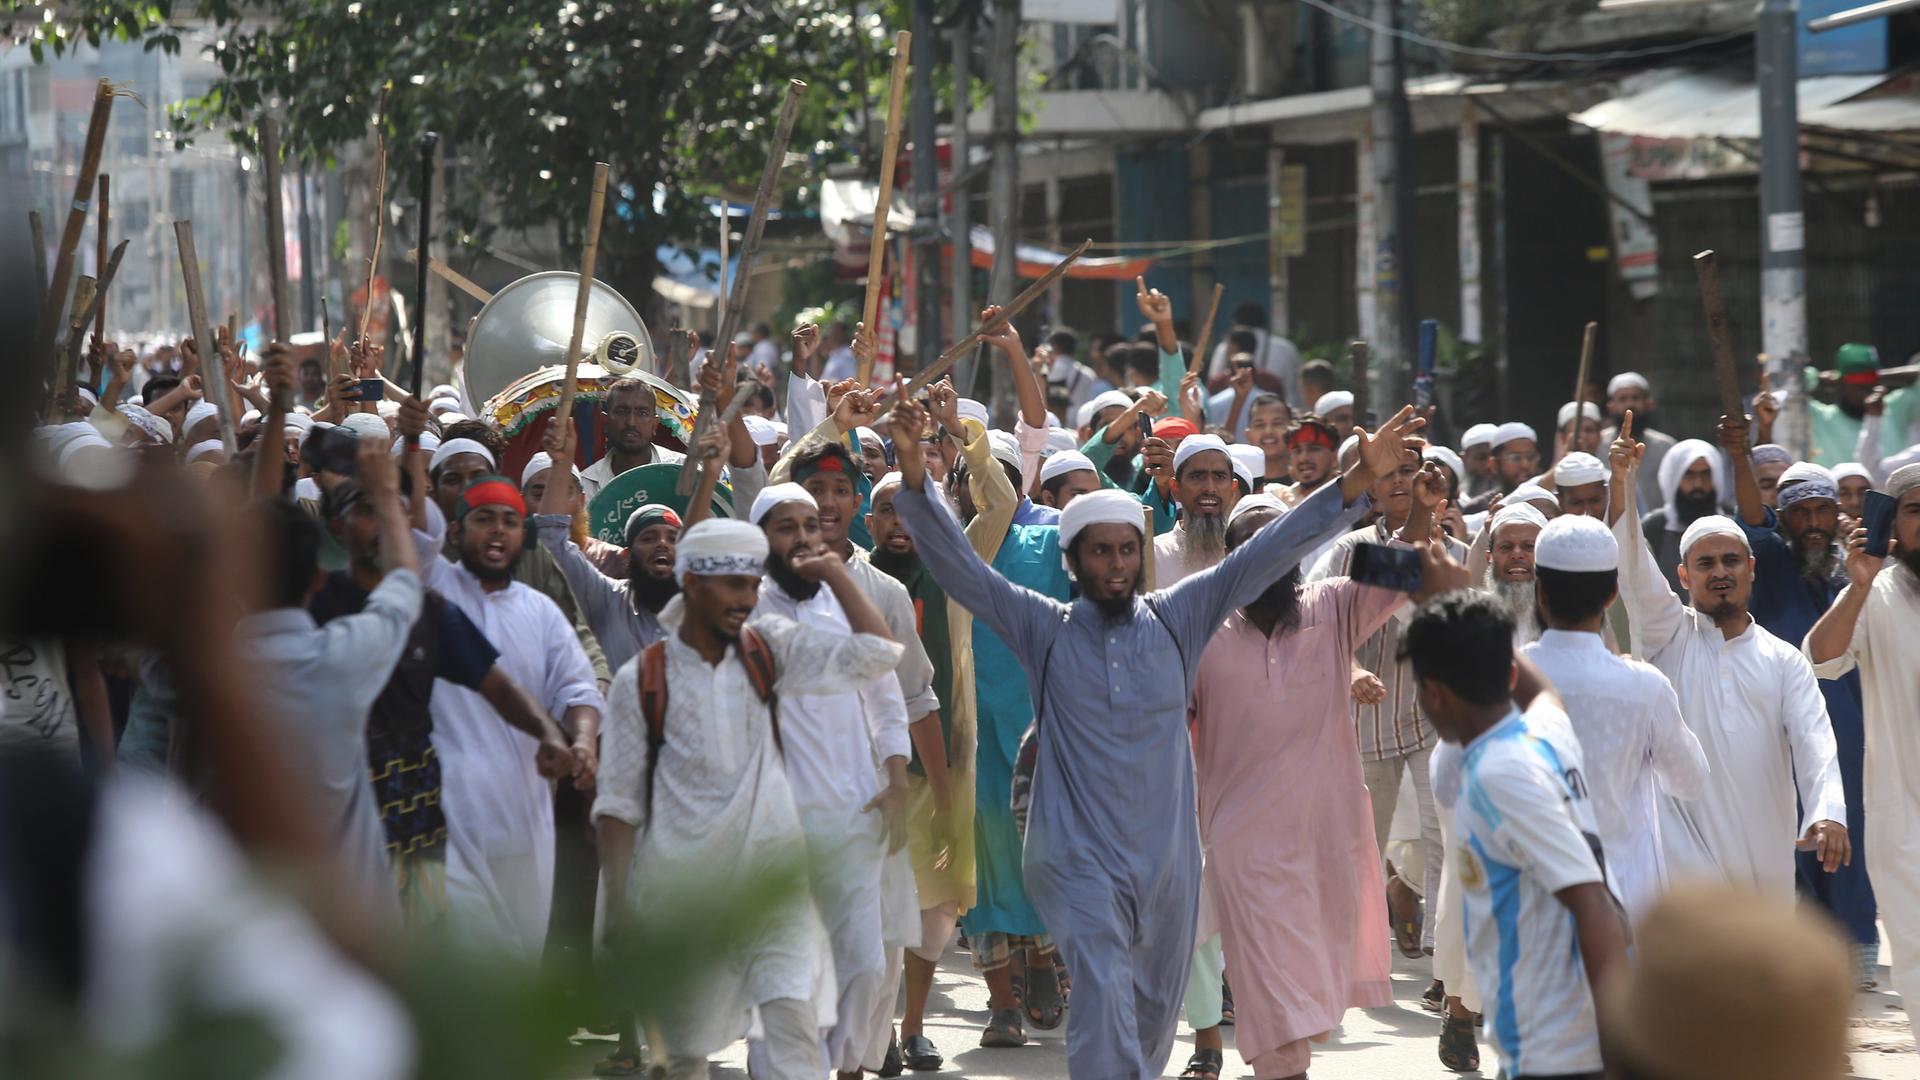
1512, 534
1873, 625
1797, 575
1692, 480
1203, 473
1112, 849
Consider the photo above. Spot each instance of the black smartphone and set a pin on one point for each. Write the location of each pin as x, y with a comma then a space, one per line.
1146, 425
1387, 567
1876, 513
333, 450
370, 390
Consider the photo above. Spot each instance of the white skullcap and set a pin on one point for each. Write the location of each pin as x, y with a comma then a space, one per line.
1627, 380
155, 427
1479, 435
867, 435
1104, 507
1711, 525
1588, 409
1059, 439
1249, 462
969, 409
1904, 479
1200, 444
1804, 470
1331, 400
386, 410
1511, 430
1577, 543
439, 405
1448, 458
202, 449
1770, 453
451, 418
1578, 468
774, 495
1351, 442
1052, 421
1064, 462
249, 417
89, 395
429, 442
66, 446
1530, 492
1101, 402
367, 425
300, 422
201, 410
1260, 501
885, 484
1851, 468
761, 430
717, 547
1004, 447
538, 464
460, 446
442, 390
1519, 513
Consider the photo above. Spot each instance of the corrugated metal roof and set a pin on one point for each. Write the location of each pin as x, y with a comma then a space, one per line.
1722, 104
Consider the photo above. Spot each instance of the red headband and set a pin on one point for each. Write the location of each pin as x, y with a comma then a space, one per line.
492, 491
1308, 432
1861, 378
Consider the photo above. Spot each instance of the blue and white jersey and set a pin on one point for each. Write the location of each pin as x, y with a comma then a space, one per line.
1524, 830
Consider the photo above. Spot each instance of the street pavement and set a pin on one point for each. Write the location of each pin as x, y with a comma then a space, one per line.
1372, 1044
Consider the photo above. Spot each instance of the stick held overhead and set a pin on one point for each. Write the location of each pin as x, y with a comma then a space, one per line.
218, 390
276, 227
1706, 268
61, 280
883, 200
1205, 339
589, 254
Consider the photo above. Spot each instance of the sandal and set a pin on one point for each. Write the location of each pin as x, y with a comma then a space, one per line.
1042, 1003
620, 1063
1435, 998
1004, 1030
1203, 1065
1226, 1004
1459, 1050
1403, 911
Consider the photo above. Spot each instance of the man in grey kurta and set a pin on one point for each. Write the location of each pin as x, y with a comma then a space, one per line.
1112, 857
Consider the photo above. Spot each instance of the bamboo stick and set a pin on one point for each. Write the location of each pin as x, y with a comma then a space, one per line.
1206, 331
883, 201
61, 280
214, 380
379, 214
100, 252
1706, 268
588, 255
1587, 337
86, 310
276, 226
452, 277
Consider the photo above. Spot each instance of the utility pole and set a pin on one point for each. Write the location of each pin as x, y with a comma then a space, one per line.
1783, 229
1004, 58
1395, 312
926, 186
960, 222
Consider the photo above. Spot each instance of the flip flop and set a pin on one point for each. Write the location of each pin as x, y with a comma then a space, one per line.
1403, 911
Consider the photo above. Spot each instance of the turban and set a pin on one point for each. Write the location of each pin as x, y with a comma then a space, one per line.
969, 409
1511, 431
1100, 403
1674, 465
1851, 468
1199, 444
429, 442
155, 427
763, 431
1576, 543
1174, 428
646, 517
1804, 480
490, 490
1479, 435
1531, 492
538, 464
1064, 462
453, 447
201, 410
1103, 507
1249, 463
1904, 479
370, 426
1518, 513
1333, 399
718, 547
1262, 501
774, 495
1628, 380
198, 450
1317, 432
1711, 525
1576, 469
1004, 448
1770, 453
1448, 458
1588, 409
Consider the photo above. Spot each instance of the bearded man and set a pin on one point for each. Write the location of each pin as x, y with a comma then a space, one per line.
1203, 471
1513, 532
1692, 481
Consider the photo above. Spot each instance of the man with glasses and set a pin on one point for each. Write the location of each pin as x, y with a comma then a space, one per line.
630, 412
1516, 459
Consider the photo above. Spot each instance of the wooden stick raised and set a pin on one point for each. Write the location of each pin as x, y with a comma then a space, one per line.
1205, 339
276, 226
452, 277
1146, 548
1361, 353
61, 280
88, 309
883, 200
1587, 337
589, 253
218, 390
379, 216
1706, 267
100, 254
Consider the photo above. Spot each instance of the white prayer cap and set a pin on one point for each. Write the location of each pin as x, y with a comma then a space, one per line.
885, 484
202, 449
1479, 435
249, 417
1249, 462
1351, 442
1530, 492
776, 494
367, 425
1577, 543
429, 442
1004, 447
1770, 453
1711, 525
1064, 462
1052, 421
1519, 513
1578, 468
1331, 400
89, 395
386, 410
451, 418
1804, 470
82, 436
439, 405
1627, 380
1851, 468
1446, 457
761, 429
1904, 479
1200, 444
1260, 501
867, 435
460, 446
300, 422
442, 390
717, 547
1059, 440
155, 427
1588, 409
1104, 507
1101, 402
201, 410
1511, 430
538, 464
969, 409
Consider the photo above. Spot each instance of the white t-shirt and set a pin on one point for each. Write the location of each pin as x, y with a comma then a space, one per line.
36, 706
1524, 830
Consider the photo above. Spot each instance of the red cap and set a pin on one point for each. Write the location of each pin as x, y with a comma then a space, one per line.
1174, 428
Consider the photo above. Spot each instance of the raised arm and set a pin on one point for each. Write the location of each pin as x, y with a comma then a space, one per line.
1833, 642
1733, 438
1653, 611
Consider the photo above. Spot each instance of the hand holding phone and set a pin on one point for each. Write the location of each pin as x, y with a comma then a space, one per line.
1386, 567
1876, 513
373, 389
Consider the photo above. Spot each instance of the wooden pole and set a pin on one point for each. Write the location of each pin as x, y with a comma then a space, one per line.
883, 200
1146, 547
588, 254
218, 390
1361, 353
39, 230
1206, 331
429, 141
100, 253
61, 281
86, 307
726, 238
452, 277
276, 226
379, 214
1580, 385
1707, 269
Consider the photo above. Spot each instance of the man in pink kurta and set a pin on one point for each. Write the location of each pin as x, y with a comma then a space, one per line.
1284, 816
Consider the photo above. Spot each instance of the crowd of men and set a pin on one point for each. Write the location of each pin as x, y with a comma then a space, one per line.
1190, 691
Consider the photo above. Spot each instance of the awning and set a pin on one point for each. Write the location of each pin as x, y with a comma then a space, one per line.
1726, 105
847, 205
1032, 260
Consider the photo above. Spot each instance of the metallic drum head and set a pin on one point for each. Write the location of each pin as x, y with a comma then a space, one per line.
527, 325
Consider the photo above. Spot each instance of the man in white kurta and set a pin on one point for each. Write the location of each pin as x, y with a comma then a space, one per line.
1752, 701
1203, 473
1875, 625
500, 838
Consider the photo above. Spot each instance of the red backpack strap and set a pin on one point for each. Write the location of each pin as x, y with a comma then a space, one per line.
652, 678
757, 656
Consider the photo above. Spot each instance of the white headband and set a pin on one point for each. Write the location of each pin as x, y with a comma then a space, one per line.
719, 547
